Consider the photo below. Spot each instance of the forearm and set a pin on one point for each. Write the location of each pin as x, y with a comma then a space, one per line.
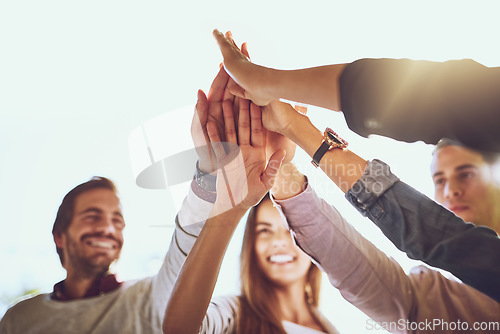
194, 286
342, 166
317, 86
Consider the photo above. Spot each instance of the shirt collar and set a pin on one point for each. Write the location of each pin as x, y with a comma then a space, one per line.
102, 284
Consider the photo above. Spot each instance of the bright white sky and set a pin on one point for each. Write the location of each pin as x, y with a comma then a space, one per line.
77, 78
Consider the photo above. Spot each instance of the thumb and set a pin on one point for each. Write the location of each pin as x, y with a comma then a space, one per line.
301, 109
200, 114
272, 168
202, 106
244, 50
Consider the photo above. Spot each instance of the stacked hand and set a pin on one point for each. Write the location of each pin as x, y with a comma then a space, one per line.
243, 180
250, 77
276, 116
238, 138
208, 109
211, 108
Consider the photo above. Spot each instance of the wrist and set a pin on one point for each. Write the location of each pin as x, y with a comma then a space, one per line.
293, 128
237, 211
205, 180
289, 182
303, 133
206, 166
272, 83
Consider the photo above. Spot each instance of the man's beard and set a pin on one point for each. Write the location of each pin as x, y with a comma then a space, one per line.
85, 265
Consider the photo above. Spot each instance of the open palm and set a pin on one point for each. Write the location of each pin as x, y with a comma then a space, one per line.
244, 174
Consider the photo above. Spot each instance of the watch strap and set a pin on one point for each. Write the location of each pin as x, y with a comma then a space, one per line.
330, 140
202, 193
324, 147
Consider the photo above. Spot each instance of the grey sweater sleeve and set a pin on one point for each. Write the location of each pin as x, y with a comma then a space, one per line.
188, 224
413, 100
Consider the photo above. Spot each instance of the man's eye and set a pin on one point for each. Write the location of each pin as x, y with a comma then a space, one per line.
119, 222
438, 182
467, 175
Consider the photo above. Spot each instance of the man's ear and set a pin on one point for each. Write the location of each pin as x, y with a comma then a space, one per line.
59, 240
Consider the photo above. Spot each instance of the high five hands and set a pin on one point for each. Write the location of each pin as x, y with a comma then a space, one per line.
243, 180
239, 139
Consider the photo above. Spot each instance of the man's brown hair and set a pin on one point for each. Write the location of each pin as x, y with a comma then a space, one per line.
491, 158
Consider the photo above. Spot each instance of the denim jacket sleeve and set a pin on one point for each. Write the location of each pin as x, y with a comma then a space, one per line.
426, 231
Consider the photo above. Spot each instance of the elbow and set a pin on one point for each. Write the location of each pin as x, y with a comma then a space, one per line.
169, 326
165, 328
169, 329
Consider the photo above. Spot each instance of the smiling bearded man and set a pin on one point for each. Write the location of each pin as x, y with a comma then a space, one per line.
90, 241
88, 233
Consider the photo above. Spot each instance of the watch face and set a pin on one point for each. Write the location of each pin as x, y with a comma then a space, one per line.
335, 139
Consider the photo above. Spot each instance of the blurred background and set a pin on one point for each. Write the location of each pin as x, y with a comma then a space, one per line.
79, 79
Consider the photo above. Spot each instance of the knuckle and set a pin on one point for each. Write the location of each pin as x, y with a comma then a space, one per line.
245, 124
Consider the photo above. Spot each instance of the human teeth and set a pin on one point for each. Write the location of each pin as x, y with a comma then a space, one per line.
281, 258
101, 244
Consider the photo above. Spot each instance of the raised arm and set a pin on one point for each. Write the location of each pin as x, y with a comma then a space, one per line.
426, 231
283, 118
317, 85
342, 166
413, 100
364, 275
404, 99
414, 223
241, 183
196, 206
